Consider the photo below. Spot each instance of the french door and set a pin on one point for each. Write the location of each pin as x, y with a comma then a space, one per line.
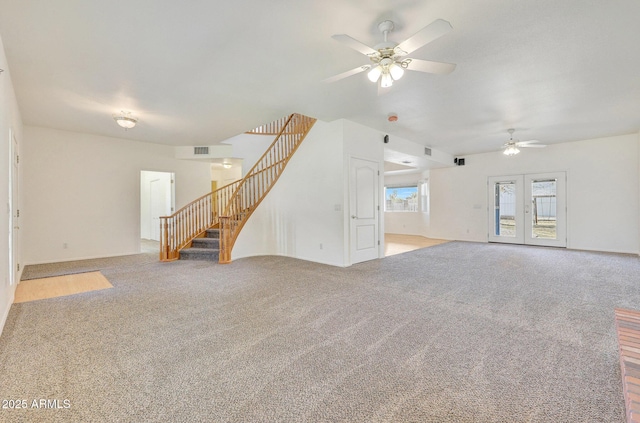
528, 209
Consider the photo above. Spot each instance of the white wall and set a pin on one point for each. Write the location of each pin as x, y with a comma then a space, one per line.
249, 147
9, 121
224, 176
305, 207
602, 192
84, 191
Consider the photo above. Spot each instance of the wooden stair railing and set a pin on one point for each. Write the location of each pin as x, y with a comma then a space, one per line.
272, 128
177, 230
260, 179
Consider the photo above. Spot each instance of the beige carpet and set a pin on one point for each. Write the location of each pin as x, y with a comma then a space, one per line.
456, 333
398, 244
59, 286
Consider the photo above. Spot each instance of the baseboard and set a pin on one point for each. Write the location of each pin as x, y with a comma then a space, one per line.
83, 258
285, 255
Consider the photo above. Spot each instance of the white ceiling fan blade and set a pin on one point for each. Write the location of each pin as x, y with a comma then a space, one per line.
433, 31
530, 145
355, 44
428, 66
347, 73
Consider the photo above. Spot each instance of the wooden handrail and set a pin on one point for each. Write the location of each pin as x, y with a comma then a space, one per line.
260, 179
179, 229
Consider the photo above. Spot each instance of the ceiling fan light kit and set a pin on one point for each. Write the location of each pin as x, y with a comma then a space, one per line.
511, 150
387, 58
374, 74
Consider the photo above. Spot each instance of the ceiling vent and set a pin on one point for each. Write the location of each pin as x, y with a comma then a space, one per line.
427, 151
199, 151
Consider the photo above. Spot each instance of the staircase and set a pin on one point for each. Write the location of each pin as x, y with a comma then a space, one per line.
206, 247
207, 228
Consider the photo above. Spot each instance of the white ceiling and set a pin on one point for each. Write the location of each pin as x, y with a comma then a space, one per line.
199, 72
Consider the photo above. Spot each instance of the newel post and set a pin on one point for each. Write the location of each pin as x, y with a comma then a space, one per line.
164, 239
225, 240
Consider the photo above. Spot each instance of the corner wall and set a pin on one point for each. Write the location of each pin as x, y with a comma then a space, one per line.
84, 191
305, 215
302, 216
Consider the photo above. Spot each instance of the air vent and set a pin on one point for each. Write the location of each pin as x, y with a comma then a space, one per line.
198, 151
427, 151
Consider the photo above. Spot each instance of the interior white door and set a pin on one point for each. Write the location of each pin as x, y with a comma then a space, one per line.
159, 205
363, 210
528, 209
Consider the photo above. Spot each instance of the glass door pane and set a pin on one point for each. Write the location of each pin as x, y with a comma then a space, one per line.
543, 209
546, 209
528, 209
505, 209
506, 221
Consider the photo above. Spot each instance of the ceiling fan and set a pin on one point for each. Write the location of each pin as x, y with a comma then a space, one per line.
388, 61
512, 147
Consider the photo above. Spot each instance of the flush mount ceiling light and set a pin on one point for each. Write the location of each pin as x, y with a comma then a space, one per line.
125, 119
226, 164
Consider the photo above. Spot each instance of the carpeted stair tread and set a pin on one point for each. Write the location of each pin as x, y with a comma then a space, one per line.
206, 243
199, 254
207, 248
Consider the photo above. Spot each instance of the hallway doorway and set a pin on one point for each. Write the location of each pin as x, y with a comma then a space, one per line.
157, 198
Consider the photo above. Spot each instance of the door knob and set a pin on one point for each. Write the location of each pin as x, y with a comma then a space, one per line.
354, 216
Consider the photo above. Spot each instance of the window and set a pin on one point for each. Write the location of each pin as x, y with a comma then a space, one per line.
401, 198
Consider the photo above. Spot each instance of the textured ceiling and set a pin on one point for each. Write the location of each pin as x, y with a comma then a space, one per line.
198, 72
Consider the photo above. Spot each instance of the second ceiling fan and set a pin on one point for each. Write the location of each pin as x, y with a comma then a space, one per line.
388, 59
511, 147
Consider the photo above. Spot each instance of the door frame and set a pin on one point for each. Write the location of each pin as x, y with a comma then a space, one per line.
523, 221
14, 200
